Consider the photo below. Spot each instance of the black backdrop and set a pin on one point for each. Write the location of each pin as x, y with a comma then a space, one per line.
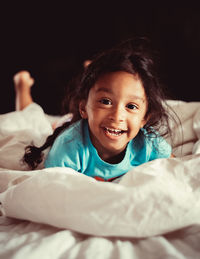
53, 40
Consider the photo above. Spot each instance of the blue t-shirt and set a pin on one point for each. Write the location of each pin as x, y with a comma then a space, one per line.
73, 148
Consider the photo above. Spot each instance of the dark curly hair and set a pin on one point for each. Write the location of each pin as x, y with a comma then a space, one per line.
134, 56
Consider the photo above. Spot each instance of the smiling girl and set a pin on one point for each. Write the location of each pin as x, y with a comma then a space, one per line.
117, 108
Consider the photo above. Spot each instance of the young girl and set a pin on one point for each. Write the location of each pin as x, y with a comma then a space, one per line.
117, 108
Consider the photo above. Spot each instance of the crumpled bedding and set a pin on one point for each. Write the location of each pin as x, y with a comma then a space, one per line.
151, 200
148, 201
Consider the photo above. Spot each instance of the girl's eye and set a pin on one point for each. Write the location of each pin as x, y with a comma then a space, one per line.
132, 106
105, 101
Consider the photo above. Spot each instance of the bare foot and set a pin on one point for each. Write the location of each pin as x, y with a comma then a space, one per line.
23, 82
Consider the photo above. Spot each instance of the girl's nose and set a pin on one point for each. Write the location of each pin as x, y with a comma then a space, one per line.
117, 114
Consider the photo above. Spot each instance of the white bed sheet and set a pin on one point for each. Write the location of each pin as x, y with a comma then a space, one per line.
26, 240
154, 212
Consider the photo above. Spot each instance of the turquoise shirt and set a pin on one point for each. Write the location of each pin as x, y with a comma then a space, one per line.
73, 148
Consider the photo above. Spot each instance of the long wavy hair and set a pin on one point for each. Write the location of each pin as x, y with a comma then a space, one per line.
134, 56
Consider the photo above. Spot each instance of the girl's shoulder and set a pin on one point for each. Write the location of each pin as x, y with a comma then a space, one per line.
152, 137
154, 144
73, 132
68, 148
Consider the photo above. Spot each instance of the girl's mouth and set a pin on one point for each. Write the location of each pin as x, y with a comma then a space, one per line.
114, 132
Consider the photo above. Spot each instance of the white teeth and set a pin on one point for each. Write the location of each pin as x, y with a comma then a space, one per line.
114, 131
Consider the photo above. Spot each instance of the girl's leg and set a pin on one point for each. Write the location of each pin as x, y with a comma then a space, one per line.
23, 82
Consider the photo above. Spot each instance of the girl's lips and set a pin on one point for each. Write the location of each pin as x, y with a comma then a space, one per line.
113, 133
114, 130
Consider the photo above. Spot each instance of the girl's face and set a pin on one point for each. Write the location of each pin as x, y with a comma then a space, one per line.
115, 109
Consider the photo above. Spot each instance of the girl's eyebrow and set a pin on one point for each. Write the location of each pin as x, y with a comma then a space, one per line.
137, 98
107, 90
103, 89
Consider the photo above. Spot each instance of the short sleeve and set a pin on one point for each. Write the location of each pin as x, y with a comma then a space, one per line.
160, 148
64, 153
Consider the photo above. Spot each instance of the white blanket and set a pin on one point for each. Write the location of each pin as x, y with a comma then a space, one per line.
147, 202
153, 199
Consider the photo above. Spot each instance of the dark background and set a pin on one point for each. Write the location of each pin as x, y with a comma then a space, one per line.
52, 40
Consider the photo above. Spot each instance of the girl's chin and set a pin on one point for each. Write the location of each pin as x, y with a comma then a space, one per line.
108, 151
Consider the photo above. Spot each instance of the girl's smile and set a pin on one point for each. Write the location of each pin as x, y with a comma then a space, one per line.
114, 132
115, 110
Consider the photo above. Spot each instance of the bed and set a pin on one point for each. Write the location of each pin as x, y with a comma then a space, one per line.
152, 212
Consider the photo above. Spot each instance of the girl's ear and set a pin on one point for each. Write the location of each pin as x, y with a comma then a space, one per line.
82, 109
144, 121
